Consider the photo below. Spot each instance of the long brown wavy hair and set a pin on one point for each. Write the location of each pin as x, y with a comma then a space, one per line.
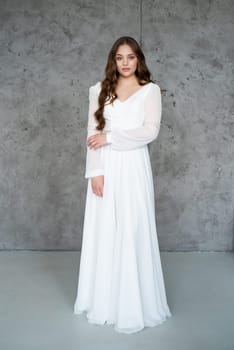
108, 85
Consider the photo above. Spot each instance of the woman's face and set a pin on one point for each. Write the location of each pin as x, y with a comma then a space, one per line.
126, 60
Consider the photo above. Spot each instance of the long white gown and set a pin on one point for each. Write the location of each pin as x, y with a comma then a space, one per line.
120, 276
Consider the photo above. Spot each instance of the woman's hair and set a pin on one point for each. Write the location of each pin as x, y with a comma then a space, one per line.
109, 84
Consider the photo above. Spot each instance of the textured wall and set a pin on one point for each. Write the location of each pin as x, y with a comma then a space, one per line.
189, 44
51, 52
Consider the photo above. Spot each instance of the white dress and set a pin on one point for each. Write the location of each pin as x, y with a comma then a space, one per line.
120, 276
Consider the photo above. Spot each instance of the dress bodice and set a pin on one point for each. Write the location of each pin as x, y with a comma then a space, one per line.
126, 114
129, 124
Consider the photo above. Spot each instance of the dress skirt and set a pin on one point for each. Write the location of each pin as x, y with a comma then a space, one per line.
120, 276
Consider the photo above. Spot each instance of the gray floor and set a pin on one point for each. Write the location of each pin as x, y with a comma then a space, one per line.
38, 291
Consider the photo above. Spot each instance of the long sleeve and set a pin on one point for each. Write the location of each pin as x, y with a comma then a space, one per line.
94, 166
123, 140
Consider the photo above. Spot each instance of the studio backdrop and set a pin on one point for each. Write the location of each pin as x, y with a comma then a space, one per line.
51, 52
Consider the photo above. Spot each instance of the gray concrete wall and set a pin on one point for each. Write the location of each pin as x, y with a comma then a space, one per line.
51, 52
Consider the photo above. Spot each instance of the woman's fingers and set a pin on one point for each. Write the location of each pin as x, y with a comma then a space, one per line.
98, 191
92, 138
95, 141
92, 143
101, 191
97, 185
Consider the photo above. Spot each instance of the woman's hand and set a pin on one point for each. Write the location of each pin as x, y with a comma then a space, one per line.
97, 183
96, 140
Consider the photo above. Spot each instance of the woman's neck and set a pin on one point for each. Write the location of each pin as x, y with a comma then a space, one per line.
127, 81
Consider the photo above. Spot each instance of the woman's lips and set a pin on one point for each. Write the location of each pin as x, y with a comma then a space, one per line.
125, 69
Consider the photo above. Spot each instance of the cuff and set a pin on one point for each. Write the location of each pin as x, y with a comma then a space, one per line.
93, 173
108, 137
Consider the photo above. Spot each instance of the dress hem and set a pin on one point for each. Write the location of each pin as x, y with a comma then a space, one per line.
122, 330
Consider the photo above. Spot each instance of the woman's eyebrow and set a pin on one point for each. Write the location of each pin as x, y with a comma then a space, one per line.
118, 54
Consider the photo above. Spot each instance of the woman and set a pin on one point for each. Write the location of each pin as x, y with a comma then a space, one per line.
120, 278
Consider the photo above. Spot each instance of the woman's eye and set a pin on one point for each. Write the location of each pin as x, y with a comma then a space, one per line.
130, 57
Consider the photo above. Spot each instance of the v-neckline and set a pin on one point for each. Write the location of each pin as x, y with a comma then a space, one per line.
134, 93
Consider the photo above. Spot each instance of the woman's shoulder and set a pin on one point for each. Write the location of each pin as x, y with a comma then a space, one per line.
96, 86
154, 89
154, 85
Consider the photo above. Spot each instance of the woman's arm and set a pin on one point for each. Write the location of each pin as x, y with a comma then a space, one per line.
123, 140
94, 166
